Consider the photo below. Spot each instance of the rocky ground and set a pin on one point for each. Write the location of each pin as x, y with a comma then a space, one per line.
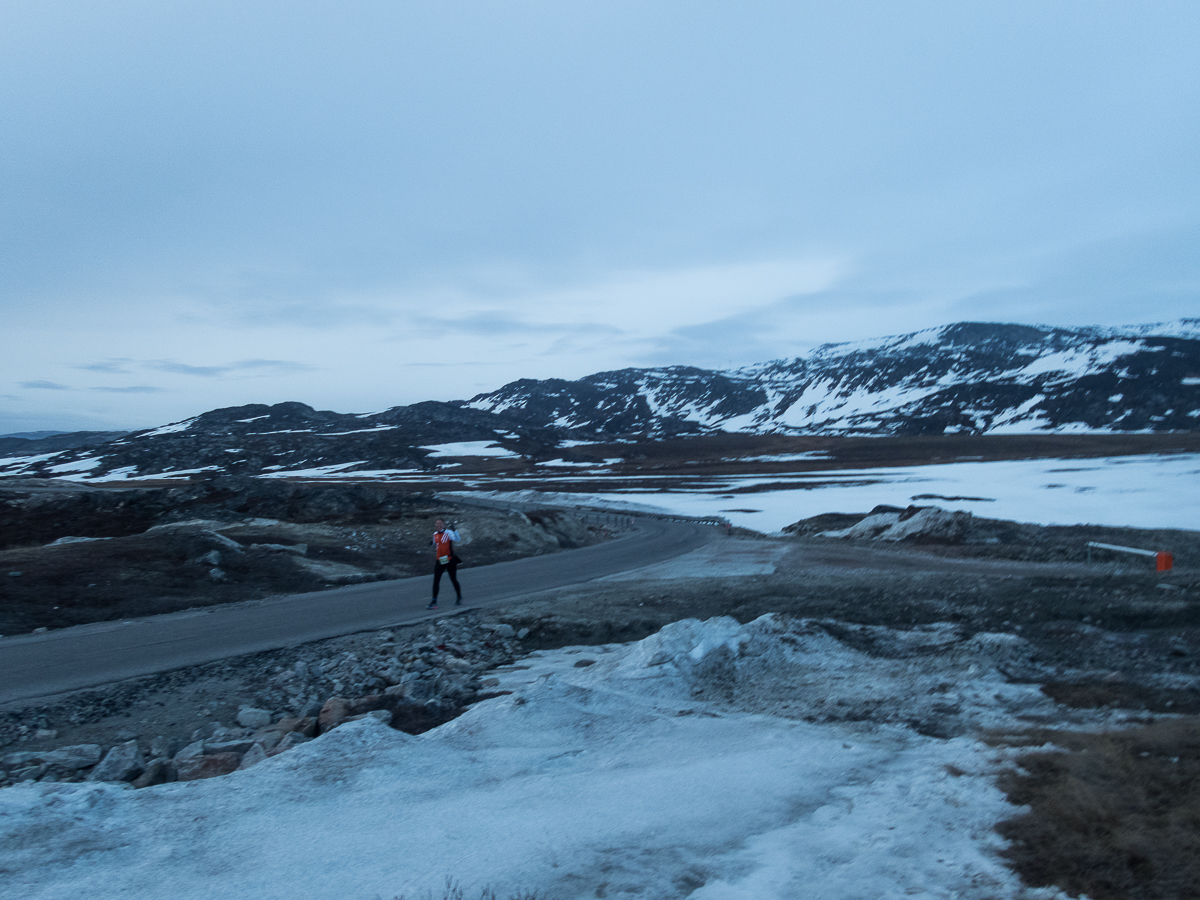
208, 720
70, 555
1092, 636
1113, 634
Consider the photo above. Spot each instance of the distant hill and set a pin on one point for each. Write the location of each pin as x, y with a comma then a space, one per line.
31, 442
972, 378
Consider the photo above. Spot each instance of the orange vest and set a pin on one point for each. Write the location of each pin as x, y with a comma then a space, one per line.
442, 544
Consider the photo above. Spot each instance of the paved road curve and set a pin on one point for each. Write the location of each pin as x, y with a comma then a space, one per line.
40, 665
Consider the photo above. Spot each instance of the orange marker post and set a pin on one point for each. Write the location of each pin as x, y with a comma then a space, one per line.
1163, 561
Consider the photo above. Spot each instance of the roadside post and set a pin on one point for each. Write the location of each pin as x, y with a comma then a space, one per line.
1163, 560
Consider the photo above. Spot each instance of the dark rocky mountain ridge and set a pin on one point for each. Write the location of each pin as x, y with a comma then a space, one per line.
967, 378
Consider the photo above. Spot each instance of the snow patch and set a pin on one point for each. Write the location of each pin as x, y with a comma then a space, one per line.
471, 448
679, 765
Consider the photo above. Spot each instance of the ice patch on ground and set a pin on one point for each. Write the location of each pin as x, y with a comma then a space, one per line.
712, 760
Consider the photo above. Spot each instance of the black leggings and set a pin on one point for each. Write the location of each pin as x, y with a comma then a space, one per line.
450, 568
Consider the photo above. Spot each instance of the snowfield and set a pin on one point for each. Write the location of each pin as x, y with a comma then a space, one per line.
1151, 491
677, 766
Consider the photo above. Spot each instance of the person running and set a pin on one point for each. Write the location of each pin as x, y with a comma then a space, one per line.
445, 560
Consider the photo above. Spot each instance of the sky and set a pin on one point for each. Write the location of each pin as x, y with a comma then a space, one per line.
360, 205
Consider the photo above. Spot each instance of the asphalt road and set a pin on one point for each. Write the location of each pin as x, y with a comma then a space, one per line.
41, 665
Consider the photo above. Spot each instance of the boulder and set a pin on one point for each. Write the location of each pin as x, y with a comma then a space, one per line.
241, 745
252, 717
78, 756
929, 523
870, 527
163, 746
124, 762
208, 766
225, 543
306, 726
20, 758
383, 715
158, 771
196, 748
253, 756
290, 740
267, 737
335, 711
298, 549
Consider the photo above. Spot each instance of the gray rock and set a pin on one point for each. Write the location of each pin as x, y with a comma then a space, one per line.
312, 710
226, 543
79, 756
290, 740
238, 746
212, 558
522, 634
931, 522
20, 758
298, 549
383, 715
253, 756
252, 717
158, 771
870, 527
217, 574
502, 630
163, 746
194, 749
29, 773
123, 762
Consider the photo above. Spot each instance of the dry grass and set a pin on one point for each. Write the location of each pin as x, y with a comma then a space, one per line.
1115, 815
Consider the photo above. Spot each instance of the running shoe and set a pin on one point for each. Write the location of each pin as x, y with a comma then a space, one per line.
432, 604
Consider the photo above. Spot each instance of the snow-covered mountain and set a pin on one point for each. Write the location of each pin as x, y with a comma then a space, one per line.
969, 377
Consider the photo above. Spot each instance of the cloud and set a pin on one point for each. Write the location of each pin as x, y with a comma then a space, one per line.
108, 367
131, 389
266, 366
44, 386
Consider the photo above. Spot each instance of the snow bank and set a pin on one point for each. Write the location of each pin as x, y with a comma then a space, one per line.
677, 766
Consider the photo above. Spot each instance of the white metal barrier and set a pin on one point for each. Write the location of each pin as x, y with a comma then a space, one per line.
1163, 561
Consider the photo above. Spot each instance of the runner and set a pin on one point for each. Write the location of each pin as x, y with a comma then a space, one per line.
445, 560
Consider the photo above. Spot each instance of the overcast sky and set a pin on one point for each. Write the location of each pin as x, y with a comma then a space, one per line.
358, 205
